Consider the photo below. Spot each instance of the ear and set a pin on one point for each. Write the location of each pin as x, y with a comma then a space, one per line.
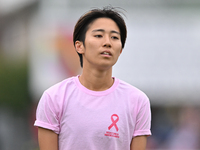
79, 47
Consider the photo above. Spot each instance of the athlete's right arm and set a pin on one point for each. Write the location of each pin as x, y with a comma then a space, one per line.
48, 140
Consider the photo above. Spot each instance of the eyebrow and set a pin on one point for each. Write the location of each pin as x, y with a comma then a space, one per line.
101, 30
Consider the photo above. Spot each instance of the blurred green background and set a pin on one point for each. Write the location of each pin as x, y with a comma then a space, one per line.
14, 92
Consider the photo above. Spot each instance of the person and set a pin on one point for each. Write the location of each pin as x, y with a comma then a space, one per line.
93, 110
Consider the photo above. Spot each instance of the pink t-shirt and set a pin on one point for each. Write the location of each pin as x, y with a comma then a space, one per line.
94, 120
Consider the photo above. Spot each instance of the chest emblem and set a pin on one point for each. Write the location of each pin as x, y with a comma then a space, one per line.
114, 119
114, 122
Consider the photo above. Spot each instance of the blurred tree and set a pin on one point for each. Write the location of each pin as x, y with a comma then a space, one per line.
14, 86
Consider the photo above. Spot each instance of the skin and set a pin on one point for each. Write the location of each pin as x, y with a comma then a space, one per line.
139, 143
48, 140
102, 36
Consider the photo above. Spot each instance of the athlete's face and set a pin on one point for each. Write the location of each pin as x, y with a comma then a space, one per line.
102, 44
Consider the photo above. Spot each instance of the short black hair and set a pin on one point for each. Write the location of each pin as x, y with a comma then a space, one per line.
82, 24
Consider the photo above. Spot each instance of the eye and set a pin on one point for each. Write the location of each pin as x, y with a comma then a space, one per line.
115, 37
98, 36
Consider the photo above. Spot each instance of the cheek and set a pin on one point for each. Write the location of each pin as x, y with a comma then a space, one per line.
89, 42
92, 45
90, 48
119, 47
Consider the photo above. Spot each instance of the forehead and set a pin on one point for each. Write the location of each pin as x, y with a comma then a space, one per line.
103, 23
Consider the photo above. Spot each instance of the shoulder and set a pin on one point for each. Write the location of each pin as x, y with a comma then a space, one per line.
61, 87
132, 92
57, 93
55, 96
126, 87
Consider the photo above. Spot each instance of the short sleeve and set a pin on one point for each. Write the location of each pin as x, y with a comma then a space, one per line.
143, 120
46, 114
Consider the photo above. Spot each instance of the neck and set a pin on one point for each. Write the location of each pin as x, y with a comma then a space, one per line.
96, 80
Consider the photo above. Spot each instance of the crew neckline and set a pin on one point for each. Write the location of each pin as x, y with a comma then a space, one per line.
96, 93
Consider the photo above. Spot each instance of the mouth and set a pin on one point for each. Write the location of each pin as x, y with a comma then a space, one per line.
106, 53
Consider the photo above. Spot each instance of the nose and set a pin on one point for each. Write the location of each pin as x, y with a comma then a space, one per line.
107, 42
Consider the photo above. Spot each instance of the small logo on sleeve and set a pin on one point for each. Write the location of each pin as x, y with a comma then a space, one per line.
114, 119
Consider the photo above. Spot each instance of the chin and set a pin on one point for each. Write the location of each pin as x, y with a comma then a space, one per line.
105, 66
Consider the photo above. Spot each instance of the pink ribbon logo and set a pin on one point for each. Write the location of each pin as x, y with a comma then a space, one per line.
114, 122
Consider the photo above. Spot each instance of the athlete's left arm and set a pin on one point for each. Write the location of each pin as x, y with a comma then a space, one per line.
139, 143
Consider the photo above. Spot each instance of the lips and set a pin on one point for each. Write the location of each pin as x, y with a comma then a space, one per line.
106, 53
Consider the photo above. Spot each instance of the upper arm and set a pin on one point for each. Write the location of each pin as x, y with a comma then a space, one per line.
143, 120
48, 140
139, 143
